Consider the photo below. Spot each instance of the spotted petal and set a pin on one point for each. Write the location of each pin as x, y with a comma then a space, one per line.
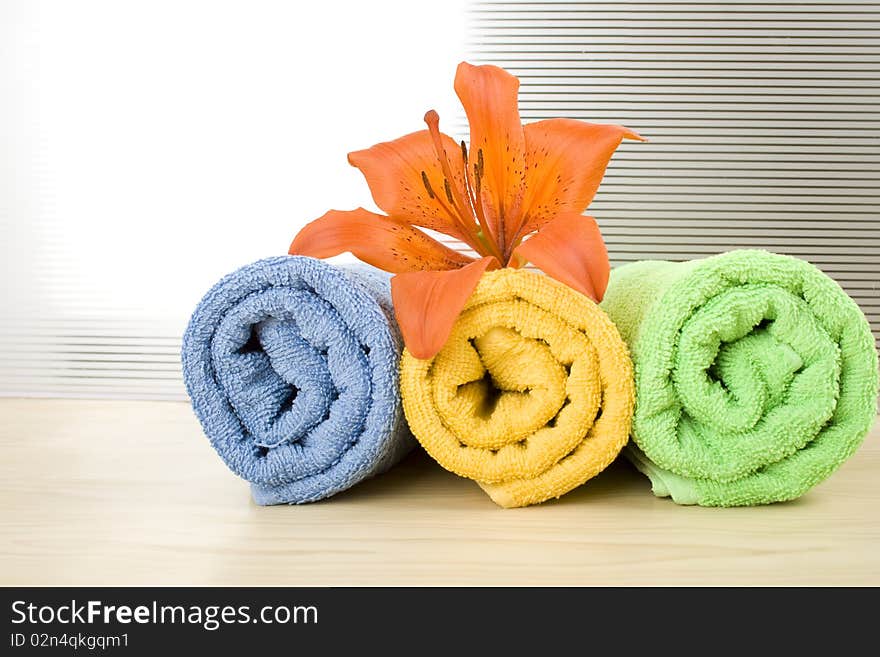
381, 241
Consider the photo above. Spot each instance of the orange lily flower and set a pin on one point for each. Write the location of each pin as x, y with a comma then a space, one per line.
515, 196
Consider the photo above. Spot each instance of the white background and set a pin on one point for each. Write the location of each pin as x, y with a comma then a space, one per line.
161, 143
148, 148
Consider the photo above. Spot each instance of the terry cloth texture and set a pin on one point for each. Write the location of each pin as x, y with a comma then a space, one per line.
292, 367
531, 396
756, 375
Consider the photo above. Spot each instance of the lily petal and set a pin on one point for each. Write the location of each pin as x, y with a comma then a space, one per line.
384, 242
565, 162
427, 303
393, 170
489, 97
570, 249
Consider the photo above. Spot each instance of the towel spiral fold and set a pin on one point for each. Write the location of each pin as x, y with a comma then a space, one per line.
532, 394
292, 368
756, 375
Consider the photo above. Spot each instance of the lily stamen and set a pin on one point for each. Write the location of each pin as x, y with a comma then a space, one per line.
448, 191
473, 195
427, 184
465, 207
470, 239
433, 121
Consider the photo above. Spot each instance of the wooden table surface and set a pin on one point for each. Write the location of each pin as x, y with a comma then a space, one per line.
115, 492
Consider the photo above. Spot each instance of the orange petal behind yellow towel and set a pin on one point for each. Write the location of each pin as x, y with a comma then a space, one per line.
531, 396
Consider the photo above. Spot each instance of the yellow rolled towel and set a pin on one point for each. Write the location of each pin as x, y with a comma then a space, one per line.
532, 394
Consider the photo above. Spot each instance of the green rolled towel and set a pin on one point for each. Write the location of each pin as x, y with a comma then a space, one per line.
756, 375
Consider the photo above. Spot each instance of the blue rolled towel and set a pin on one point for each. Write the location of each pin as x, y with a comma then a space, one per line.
292, 368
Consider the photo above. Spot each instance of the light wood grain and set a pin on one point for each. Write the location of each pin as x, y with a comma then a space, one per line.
112, 492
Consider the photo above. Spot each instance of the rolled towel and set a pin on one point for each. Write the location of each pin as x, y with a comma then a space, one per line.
292, 368
756, 375
531, 395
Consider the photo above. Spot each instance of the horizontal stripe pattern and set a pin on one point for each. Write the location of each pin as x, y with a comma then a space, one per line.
763, 120
64, 357
764, 127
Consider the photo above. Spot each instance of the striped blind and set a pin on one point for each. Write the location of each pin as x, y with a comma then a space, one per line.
763, 120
